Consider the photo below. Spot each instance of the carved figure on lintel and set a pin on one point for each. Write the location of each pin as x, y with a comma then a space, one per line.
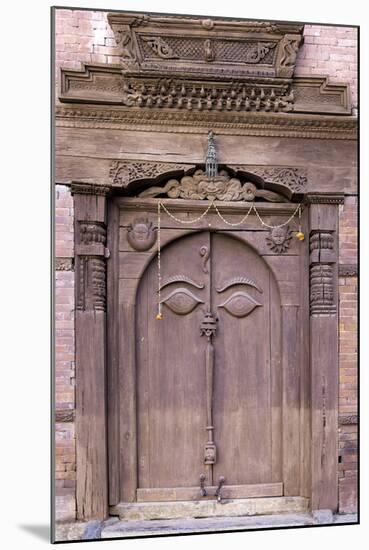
141, 235
209, 50
290, 49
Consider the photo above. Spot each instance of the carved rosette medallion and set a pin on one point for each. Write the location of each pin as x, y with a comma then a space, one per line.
279, 239
141, 235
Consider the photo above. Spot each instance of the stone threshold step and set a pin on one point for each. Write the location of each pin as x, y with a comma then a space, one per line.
114, 528
141, 511
177, 526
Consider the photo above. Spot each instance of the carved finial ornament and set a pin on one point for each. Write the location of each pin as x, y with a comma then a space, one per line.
211, 157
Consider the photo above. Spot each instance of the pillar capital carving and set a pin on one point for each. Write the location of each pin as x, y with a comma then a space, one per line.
80, 188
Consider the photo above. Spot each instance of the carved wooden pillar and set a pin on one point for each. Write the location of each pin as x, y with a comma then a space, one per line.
90, 283
324, 349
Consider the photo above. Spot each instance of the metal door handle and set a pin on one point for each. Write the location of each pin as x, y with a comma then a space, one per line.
202, 485
218, 492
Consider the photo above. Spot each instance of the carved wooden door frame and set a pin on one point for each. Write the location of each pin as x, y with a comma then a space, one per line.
97, 418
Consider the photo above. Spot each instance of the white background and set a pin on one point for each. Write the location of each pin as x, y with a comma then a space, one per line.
25, 277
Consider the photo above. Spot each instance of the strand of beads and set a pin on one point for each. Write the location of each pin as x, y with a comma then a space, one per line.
194, 220
230, 223
299, 235
281, 224
159, 315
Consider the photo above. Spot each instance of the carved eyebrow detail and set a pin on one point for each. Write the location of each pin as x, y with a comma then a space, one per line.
181, 279
239, 281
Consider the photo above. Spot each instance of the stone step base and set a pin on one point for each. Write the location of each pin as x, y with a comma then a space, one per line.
114, 528
202, 525
141, 511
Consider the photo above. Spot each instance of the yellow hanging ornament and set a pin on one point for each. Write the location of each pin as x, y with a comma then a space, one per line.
300, 235
159, 317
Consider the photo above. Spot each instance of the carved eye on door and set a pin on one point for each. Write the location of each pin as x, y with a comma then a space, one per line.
240, 304
181, 301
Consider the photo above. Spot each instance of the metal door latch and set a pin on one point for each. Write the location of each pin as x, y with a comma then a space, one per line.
202, 485
218, 492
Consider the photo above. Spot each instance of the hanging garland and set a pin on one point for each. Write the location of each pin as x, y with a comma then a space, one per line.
299, 234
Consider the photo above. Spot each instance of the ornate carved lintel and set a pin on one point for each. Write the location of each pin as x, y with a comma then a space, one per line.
222, 187
123, 173
292, 177
157, 43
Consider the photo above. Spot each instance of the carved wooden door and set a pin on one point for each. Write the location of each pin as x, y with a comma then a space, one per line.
209, 388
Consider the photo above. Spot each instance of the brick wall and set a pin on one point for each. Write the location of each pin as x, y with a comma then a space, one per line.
83, 37
65, 461
330, 51
348, 359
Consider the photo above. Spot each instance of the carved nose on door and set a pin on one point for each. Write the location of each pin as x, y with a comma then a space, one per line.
208, 325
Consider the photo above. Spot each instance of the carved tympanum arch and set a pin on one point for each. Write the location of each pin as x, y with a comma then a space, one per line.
230, 184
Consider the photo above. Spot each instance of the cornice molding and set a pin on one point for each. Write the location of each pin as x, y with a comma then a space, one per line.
81, 188
325, 198
108, 85
254, 124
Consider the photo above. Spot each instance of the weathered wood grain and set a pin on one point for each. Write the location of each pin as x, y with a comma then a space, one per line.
91, 423
177, 147
324, 380
305, 385
92, 491
193, 493
291, 400
113, 413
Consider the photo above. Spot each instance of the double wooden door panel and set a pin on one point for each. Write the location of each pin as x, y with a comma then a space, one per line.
190, 403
